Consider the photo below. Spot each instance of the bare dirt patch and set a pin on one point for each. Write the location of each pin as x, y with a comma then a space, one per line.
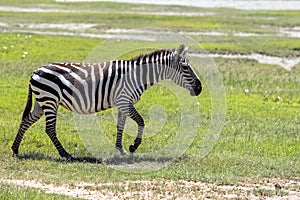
170, 189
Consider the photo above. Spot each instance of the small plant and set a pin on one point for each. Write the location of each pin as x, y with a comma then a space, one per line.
268, 193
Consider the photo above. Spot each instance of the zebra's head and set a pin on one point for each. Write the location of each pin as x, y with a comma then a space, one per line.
183, 73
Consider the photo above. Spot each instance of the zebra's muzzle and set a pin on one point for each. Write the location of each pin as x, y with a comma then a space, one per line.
196, 89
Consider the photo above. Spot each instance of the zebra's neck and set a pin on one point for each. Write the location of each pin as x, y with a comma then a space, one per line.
152, 68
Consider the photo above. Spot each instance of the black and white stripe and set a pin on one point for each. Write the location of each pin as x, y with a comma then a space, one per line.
88, 88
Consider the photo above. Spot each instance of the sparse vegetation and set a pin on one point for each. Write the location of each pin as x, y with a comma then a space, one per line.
260, 138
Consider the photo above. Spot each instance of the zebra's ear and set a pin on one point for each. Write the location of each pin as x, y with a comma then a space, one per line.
186, 49
179, 52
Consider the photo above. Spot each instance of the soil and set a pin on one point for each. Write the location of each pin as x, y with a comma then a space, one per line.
171, 189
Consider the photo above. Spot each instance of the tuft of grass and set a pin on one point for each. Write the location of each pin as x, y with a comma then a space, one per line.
268, 193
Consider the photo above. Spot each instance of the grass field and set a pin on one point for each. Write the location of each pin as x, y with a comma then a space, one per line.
260, 140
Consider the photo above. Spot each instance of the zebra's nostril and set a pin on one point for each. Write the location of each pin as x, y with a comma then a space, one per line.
198, 87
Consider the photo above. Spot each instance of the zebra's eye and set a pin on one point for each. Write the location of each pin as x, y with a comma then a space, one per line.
184, 67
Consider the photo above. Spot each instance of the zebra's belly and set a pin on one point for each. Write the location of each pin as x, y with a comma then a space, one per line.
81, 108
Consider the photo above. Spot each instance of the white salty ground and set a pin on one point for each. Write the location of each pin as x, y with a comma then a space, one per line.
238, 4
169, 189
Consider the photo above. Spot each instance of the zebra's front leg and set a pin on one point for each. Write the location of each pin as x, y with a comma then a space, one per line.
133, 114
120, 127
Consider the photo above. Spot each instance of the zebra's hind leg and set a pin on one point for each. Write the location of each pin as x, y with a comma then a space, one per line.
27, 120
120, 128
51, 114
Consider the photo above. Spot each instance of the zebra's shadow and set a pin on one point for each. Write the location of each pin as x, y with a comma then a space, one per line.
114, 160
133, 158
41, 156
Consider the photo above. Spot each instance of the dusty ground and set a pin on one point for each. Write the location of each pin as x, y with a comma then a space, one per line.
171, 189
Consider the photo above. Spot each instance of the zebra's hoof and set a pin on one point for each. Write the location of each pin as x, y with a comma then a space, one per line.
70, 158
122, 151
15, 151
132, 148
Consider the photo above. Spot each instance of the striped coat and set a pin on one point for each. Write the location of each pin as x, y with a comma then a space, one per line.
87, 88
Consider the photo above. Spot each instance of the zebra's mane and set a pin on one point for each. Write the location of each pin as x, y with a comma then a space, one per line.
153, 53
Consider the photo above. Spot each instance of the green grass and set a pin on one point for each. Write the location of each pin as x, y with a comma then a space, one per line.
260, 138
106, 16
254, 122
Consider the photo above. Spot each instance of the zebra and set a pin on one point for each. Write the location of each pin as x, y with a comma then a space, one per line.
87, 88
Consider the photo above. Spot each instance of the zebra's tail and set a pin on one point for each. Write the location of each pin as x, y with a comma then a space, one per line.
28, 104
